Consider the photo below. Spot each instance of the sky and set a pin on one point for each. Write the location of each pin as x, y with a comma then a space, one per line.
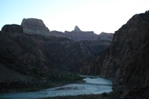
89, 15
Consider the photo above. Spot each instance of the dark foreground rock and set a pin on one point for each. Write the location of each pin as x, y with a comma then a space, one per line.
136, 93
127, 59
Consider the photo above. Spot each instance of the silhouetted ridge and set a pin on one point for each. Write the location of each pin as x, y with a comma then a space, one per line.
12, 28
145, 16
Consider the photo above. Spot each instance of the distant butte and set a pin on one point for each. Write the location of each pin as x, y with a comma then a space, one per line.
33, 25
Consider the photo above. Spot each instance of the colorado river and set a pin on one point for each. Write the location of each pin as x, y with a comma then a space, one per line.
91, 85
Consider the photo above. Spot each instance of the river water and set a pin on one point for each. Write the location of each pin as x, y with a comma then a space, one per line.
91, 85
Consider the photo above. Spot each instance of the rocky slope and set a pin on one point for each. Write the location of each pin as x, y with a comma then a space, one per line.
127, 59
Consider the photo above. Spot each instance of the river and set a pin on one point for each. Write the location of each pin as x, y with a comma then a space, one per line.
91, 85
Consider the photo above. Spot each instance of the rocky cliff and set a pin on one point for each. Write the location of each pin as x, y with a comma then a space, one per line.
19, 51
127, 59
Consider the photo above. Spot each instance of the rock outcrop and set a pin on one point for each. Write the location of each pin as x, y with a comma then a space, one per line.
105, 36
127, 59
79, 35
77, 29
34, 26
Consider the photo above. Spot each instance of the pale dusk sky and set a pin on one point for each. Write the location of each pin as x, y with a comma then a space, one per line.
90, 15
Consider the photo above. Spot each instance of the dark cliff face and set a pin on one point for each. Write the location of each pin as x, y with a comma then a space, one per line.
66, 54
127, 59
129, 51
21, 52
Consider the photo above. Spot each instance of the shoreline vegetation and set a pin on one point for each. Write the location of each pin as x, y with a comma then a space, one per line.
42, 81
90, 96
49, 81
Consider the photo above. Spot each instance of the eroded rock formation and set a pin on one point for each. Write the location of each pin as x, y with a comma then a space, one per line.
79, 35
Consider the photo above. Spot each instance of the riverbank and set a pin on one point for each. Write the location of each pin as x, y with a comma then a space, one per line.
91, 96
89, 87
39, 83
